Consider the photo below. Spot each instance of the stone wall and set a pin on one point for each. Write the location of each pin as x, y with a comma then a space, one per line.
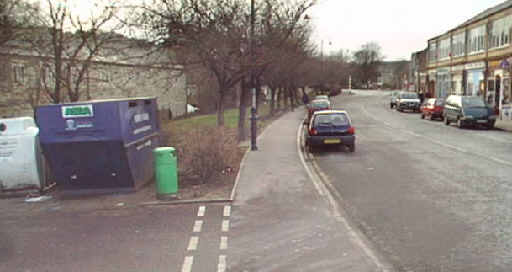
22, 82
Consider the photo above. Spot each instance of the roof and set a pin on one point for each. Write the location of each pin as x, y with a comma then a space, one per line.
330, 111
482, 15
486, 13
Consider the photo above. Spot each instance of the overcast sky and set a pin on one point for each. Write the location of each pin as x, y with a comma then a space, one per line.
400, 27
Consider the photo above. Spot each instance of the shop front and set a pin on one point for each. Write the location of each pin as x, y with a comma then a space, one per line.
457, 85
475, 79
502, 95
431, 83
494, 83
443, 82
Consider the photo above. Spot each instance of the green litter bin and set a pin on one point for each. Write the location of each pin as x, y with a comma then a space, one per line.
166, 172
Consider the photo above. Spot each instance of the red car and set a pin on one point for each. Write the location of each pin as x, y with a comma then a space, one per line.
432, 108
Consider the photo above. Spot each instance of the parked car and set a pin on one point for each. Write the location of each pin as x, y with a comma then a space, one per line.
432, 108
318, 105
408, 101
394, 96
330, 128
468, 111
320, 97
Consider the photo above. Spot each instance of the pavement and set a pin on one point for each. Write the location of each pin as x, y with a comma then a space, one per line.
283, 221
504, 125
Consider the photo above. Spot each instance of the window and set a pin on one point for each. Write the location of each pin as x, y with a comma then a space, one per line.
47, 78
339, 119
490, 85
476, 39
500, 32
19, 73
432, 51
444, 48
459, 45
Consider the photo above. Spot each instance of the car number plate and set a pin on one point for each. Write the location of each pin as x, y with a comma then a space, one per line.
332, 141
481, 121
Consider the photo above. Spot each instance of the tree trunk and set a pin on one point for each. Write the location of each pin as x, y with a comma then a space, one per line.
290, 96
279, 97
272, 101
242, 110
58, 78
285, 97
220, 108
259, 94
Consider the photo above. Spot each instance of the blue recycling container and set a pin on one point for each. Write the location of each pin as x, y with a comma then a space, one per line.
101, 146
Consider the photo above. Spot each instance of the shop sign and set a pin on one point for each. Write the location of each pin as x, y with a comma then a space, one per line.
443, 71
475, 65
494, 63
458, 68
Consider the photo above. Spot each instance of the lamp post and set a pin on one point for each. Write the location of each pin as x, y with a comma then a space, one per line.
254, 127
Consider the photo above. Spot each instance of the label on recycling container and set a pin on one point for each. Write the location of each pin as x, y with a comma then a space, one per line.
77, 111
7, 148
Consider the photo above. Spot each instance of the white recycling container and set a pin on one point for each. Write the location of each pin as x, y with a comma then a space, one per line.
20, 156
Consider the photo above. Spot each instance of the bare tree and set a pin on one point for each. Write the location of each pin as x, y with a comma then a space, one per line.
278, 39
14, 14
70, 44
367, 59
207, 32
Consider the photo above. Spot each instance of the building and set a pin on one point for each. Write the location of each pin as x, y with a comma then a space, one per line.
418, 72
474, 59
393, 74
27, 80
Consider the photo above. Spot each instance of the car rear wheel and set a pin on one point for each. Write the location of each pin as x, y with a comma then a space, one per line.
460, 123
311, 149
490, 125
422, 116
352, 148
390, 106
446, 120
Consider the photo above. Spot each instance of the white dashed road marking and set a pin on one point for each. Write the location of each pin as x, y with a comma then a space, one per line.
198, 225
187, 264
192, 244
201, 211
222, 263
223, 243
227, 211
225, 225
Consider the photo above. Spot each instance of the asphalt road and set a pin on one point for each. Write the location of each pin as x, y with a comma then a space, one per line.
183, 238
430, 197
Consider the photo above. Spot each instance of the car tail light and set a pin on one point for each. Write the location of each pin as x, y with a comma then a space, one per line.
351, 131
313, 132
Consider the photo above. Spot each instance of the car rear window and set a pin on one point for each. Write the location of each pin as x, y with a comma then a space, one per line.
320, 104
409, 95
334, 119
473, 101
